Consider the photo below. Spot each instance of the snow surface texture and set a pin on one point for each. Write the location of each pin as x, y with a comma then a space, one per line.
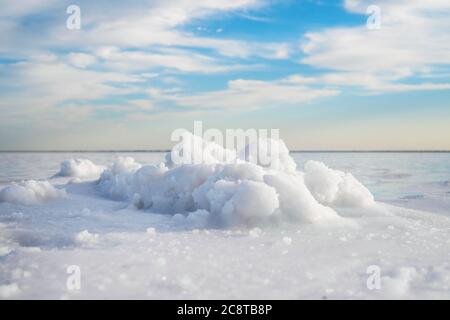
222, 229
30, 192
231, 191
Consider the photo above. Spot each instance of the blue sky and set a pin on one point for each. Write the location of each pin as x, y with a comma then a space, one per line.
136, 71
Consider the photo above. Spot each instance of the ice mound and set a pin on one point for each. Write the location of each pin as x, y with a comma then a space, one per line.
80, 168
30, 192
194, 149
229, 190
335, 188
124, 164
269, 153
118, 182
197, 219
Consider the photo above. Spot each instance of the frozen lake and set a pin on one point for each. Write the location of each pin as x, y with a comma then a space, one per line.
125, 248
411, 179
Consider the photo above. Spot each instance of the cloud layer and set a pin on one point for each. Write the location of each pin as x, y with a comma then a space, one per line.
150, 59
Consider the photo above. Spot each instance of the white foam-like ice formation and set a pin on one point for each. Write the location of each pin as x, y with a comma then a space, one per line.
194, 149
80, 168
335, 188
124, 164
119, 181
239, 190
30, 192
269, 153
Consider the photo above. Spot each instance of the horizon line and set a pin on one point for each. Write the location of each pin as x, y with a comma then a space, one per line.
168, 150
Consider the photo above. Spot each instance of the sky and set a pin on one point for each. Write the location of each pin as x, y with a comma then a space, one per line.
330, 75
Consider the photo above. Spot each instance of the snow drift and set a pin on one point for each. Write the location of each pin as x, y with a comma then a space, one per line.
232, 188
30, 192
80, 168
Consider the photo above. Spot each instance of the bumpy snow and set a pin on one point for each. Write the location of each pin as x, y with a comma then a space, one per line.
234, 191
334, 187
30, 192
228, 227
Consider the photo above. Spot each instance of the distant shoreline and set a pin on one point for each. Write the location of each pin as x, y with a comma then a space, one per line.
163, 151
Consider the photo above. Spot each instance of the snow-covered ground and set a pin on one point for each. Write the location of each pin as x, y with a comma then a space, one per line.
225, 231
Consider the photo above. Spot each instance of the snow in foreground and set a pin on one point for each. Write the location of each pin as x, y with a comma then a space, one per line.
219, 229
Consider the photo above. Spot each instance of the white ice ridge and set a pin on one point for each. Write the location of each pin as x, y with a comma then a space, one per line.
80, 168
235, 192
30, 192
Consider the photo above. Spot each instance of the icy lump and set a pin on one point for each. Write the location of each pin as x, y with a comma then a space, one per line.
30, 192
235, 191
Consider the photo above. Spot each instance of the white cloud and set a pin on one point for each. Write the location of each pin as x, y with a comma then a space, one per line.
40, 85
12, 8
116, 23
252, 94
123, 49
142, 104
413, 36
81, 60
171, 59
373, 84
